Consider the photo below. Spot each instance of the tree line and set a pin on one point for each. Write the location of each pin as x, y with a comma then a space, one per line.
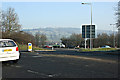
76, 40
101, 40
10, 28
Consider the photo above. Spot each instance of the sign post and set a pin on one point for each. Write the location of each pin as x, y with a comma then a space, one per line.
85, 36
30, 47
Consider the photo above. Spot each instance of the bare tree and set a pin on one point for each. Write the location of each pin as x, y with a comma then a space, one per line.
10, 21
73, 41
76, 39
43, 39
40, 39
10, 26
37, 39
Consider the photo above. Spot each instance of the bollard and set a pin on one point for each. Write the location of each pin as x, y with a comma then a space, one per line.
52, 47
30, 47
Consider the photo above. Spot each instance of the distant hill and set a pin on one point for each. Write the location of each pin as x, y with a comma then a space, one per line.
55, 34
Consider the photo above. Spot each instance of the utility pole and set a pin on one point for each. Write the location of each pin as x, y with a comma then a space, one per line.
0, 21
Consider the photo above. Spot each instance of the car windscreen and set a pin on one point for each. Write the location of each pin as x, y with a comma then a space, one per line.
7, 44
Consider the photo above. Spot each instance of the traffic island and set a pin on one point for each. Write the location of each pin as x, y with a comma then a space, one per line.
112, 51
43, 50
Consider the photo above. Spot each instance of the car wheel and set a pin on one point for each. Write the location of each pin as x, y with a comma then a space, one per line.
15, 61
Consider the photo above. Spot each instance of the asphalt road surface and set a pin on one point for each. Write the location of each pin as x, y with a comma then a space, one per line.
62, 63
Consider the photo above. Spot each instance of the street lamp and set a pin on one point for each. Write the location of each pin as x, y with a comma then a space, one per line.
91, 24
113, 35
0, 32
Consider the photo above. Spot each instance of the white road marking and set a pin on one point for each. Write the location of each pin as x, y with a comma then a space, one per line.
46, 75
52, 75
16, 66
86, 65
37, 56
32, 71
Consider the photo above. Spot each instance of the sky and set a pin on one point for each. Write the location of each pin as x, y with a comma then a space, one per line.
63, 14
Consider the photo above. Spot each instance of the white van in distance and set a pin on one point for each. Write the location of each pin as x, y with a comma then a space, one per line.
9, 51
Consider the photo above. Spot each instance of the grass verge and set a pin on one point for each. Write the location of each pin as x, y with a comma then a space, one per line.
25, 47
97, 49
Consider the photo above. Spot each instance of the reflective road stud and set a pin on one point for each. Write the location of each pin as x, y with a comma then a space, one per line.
30, 47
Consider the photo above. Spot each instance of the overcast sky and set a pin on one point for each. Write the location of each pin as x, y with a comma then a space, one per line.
63, 14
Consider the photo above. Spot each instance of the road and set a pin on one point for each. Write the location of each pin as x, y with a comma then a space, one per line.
62, 63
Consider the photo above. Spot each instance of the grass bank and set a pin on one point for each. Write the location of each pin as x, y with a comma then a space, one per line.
97, 49
25, 47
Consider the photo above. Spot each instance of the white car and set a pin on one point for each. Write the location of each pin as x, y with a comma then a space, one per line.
9, 51
106, 46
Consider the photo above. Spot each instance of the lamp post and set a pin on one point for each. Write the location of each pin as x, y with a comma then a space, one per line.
0, 32
0, 21
113, 35
91, 25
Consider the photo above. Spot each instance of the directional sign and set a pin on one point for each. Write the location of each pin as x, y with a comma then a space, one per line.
86, 31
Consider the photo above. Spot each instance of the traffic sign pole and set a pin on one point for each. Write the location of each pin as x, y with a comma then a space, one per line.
85, 36
85, 42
